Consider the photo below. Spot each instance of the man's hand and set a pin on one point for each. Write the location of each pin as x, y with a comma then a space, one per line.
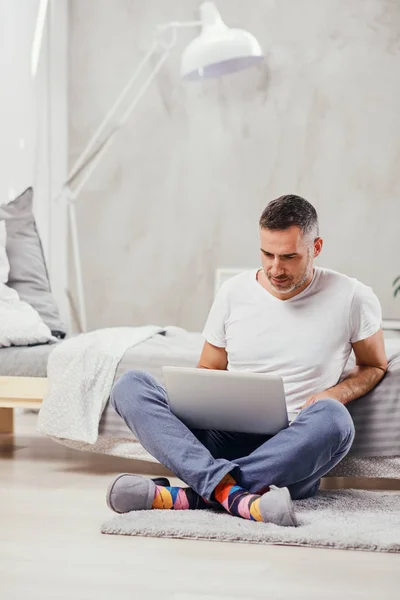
315, 398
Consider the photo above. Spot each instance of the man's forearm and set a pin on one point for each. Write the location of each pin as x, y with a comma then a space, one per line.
359, 382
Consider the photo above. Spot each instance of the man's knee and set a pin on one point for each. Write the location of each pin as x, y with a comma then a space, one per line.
336, 421
130, 389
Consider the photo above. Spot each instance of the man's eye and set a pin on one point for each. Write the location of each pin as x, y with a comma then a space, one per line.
283, 257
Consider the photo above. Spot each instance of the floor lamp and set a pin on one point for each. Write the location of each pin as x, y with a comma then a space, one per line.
216, 51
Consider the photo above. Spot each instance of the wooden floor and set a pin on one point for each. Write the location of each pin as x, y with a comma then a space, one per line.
51, 508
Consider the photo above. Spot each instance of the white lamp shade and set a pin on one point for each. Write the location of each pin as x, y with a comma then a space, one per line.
218, 50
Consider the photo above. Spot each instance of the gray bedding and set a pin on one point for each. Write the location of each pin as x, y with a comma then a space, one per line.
178, 345
25, 361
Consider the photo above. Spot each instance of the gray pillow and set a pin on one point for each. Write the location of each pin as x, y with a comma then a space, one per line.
28, 271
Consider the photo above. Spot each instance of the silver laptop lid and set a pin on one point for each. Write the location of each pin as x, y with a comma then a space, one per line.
227, 400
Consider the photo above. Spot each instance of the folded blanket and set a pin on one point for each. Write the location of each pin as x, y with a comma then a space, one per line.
81, 373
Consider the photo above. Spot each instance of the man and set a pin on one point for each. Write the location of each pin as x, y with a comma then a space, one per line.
289, 318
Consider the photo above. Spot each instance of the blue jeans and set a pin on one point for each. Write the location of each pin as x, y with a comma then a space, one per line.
296, 457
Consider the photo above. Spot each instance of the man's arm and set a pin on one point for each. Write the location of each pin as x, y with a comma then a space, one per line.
371, 366
213, 357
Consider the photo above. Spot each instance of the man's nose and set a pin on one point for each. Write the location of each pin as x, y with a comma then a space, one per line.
276, 268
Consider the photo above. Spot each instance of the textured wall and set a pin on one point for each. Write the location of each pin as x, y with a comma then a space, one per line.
182, 189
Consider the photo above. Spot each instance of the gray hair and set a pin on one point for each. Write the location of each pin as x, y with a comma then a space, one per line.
289, 210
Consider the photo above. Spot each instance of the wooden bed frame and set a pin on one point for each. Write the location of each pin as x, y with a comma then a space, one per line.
19, 392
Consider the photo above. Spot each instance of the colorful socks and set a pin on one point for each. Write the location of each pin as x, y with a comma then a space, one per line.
233, 498
177, 498
237, 501
129, 492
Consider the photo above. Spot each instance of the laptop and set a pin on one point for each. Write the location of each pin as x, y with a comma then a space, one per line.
227, 400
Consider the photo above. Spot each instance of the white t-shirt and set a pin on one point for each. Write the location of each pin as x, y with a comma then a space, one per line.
305, 339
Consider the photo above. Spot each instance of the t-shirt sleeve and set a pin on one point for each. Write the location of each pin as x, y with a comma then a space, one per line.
365, 314
214, 330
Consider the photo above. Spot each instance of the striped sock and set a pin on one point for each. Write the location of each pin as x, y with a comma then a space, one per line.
238, 501
178, 498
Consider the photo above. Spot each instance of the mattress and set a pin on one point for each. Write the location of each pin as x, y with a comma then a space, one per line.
25, 361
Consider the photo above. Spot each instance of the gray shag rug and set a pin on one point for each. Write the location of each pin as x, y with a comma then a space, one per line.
346, 519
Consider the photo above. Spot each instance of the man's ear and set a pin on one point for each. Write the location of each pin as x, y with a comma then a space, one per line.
318, 243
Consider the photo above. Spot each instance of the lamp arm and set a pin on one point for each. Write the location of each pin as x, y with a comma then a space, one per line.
83, 166
93, 140
107, 143
178, 25
160, 42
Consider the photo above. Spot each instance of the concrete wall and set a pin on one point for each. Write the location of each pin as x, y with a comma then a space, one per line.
181, 191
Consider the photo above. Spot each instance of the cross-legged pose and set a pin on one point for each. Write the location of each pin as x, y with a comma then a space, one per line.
289, 318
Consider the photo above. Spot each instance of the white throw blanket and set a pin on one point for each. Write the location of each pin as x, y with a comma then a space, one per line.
81, 373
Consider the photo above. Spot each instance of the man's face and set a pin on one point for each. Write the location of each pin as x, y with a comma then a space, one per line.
287, 258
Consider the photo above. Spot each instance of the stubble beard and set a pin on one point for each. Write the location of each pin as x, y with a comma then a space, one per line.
292, 286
